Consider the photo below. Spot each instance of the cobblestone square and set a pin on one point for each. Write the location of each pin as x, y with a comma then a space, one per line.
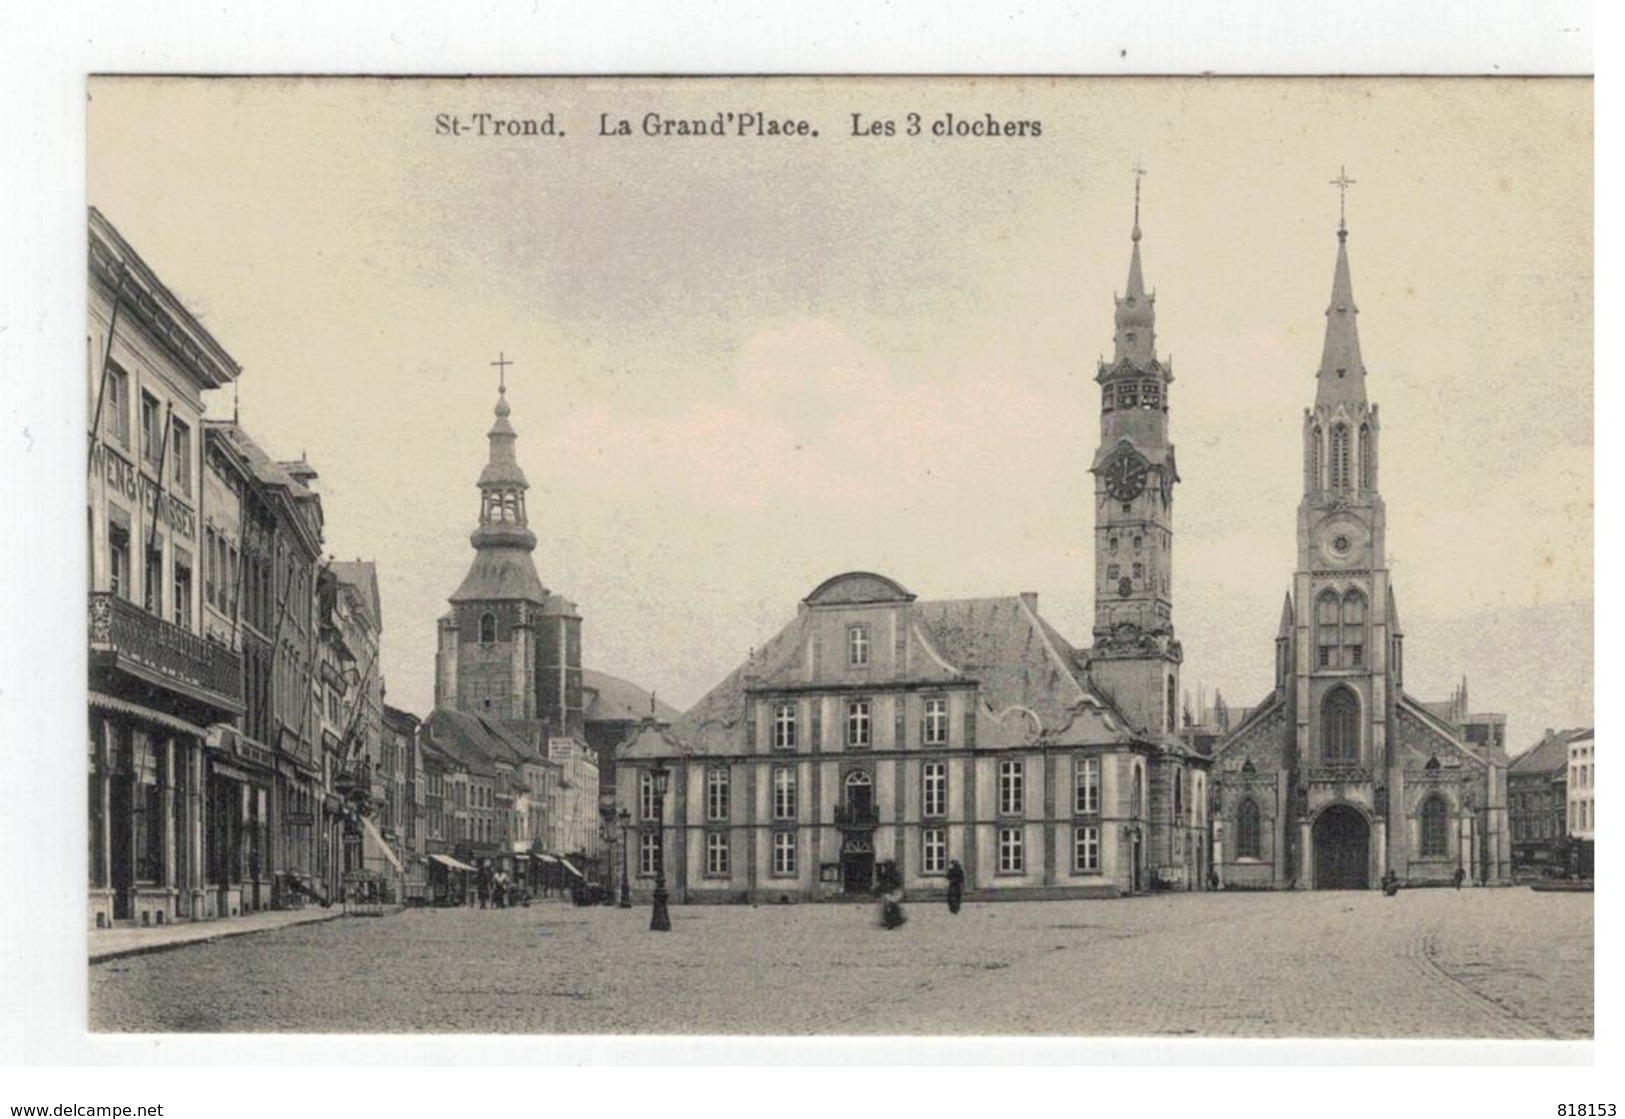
1478, 963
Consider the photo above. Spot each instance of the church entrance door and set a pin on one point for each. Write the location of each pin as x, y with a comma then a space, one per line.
1342, 841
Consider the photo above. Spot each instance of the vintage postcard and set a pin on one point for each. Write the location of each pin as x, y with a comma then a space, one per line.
1065, 557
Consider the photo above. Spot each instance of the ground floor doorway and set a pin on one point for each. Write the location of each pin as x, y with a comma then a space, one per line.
857, 866
1342, 842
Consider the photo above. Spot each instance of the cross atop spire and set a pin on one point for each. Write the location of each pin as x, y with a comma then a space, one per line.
502, 364
1139, 173
1342, 183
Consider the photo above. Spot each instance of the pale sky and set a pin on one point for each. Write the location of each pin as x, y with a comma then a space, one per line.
742, 365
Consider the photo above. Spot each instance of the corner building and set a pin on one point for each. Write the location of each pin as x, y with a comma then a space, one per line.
1340, 776
159, 683
875, 728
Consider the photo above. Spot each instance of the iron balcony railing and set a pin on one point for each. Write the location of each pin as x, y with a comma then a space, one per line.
153, 648
856, 815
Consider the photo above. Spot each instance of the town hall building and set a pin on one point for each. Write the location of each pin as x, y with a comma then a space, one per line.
879, 732
1340, 776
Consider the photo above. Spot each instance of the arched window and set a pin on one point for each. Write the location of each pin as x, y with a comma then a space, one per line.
1353, 630
1138, 793
1314, 464
1173, 704
1327, 639
860, 797
1340, 457
1368, 468
1340, 728
1435, 828
488, 628
1248, 843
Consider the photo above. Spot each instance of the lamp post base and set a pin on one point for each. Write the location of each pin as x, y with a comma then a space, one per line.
660, 918
626, 898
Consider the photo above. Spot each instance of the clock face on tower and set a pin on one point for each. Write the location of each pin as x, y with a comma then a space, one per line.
1125, 474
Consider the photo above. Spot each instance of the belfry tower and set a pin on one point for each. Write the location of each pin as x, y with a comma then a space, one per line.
509, 649
1135, 658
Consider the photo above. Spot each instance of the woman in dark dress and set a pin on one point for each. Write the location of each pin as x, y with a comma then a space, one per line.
956, 886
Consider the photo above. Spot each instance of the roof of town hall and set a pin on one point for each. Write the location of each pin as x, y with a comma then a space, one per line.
612, 700
1033, 687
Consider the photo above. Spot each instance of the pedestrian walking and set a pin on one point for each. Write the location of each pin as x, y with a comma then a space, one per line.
1460, 874
890, 885
956, 885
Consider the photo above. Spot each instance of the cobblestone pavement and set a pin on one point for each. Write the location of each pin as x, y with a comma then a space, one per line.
1428, 963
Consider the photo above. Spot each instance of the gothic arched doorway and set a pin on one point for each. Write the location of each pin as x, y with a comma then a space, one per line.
1342, 840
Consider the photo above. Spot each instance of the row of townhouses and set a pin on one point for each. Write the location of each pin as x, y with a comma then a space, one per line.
240, 754
1551, 790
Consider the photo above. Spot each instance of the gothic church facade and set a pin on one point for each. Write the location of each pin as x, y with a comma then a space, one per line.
1340, 776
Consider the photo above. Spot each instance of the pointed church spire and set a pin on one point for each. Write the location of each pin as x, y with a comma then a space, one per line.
1342, 374
502, 541
1136, 311
1285, 630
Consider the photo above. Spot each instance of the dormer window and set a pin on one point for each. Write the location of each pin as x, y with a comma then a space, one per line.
857, 646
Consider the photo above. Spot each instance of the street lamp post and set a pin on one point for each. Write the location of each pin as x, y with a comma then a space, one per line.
625, 818
660, 918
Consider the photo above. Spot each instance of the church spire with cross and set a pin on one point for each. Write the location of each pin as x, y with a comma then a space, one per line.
1135, 656
1136, 317
1341, 377
502, 540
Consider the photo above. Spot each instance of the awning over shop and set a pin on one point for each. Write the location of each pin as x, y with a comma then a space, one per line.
451, 864
569, 866
546, 858
117, 706
377, 837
